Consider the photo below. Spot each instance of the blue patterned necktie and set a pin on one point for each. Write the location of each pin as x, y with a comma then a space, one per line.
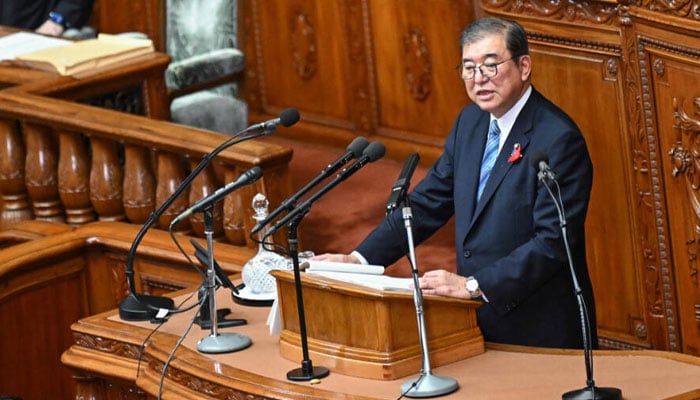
490, 154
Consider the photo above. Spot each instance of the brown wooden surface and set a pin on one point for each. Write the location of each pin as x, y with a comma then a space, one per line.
370, 333
156, 161
49, 283
105, 358
626, 72
145, 73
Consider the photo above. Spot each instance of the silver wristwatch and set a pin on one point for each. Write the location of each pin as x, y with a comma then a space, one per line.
472, 286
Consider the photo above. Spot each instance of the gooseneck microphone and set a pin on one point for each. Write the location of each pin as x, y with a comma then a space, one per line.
540, 162
373, 152
354, 150
245, 179
287, 117
400, 188
142, 307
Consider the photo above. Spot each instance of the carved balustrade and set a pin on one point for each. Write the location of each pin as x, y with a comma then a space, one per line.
66, 162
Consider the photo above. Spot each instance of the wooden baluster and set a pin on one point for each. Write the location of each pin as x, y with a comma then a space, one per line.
41, 173
139, 184
74, 179
235, 214
203, 185
170, 177
15, 206
106, 177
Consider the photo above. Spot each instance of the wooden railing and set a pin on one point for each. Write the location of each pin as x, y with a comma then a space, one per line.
77, 183
48, 283
66, 162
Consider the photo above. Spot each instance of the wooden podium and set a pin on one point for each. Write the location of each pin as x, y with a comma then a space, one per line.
369, 333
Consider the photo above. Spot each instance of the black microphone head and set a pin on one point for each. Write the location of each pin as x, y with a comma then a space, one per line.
374, 151
537, 157
253, 174
357, 146
289, 117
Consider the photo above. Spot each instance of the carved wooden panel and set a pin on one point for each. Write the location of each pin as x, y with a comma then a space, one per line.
673, 72
357, 68
560, 74
419, 92
310, 55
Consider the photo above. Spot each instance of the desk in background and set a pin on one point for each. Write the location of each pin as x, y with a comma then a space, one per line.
136, 86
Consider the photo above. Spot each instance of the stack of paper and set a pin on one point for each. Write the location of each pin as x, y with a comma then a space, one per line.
85, 54
371, 276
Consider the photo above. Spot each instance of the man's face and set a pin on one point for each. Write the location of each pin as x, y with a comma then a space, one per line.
500, 92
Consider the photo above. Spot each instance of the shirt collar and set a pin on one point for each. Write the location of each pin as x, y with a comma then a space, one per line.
506, 122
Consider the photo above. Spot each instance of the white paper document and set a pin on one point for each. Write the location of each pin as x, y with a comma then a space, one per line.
26, 42
344, 267
379, 282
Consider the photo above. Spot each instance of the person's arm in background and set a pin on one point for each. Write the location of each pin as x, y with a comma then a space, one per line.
66, 14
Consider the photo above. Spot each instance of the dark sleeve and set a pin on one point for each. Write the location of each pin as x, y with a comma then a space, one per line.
431, 207
75, 12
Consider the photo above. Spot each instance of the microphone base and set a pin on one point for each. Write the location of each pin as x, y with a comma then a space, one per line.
307, 372
223, 343
142, 307
429, 386
593, 393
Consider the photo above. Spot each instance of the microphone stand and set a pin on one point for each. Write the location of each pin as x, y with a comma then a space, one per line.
427, 384
590, 392
216, 342
307, 370
142, 307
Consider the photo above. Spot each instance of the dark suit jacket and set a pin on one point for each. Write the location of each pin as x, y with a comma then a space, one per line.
511, 241
31, 14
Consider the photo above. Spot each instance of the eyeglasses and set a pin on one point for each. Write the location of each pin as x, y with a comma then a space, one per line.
467, 71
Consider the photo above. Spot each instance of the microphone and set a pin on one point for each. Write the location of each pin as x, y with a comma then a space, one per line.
245, 179
287, 117
354, 150
373, 152
398, 192
540, 161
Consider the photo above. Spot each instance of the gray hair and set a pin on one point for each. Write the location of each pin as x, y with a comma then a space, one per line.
515, 36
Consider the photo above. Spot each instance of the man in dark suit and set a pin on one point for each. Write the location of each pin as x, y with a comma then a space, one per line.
509, 243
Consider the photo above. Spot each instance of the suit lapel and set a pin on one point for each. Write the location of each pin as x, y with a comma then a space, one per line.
518, 135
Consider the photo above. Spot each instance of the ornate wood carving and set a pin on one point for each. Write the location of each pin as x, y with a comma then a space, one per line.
645, 173
199, 385
679, 8
589, 12
417, 65
686, 162
109, 346
364, 98
658, 281
304, 47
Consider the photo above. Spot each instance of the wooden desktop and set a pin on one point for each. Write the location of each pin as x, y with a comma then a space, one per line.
107, 359
141, 79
